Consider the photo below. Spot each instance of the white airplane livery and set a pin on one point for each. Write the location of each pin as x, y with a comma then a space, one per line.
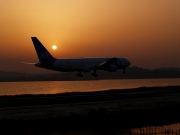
79, 65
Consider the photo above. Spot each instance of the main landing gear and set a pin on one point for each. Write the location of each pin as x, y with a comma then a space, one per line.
79, 74
124, 71
94, 74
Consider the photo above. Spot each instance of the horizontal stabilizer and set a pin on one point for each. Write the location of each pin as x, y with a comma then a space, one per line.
28, 63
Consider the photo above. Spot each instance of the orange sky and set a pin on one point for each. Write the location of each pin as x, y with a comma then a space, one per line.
146, 32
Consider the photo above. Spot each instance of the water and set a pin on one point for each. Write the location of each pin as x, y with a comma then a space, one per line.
171, 129
53, 87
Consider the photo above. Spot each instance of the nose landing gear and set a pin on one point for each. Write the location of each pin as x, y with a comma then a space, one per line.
124, 71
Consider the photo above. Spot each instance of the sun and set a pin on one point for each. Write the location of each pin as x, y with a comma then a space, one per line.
54, 47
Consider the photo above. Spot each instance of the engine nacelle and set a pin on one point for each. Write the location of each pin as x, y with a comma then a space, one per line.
112, 68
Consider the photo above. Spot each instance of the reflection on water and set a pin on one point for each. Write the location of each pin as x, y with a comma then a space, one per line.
53, 87
173, 129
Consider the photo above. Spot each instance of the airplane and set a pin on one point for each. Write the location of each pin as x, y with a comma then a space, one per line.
79, 65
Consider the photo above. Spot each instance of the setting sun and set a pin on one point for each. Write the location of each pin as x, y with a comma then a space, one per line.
54, 47
95, 28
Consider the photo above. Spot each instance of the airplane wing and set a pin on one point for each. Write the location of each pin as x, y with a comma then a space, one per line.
107, 63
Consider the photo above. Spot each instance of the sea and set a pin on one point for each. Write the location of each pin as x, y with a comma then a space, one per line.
54, 87
171, 129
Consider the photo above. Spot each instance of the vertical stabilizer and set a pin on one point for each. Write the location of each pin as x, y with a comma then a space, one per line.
43, 55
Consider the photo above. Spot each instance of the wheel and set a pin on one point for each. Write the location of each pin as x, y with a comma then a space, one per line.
79, 74
94, 74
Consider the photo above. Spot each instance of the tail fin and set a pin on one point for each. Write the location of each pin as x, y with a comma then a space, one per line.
43, 55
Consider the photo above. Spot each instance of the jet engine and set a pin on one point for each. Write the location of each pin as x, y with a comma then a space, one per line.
112, 68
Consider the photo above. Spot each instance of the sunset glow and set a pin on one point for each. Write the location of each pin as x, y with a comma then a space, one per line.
146, 32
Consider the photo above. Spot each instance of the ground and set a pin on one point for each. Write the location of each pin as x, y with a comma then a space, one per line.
118, 108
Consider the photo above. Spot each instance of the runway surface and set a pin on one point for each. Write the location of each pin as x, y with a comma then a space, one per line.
129, 108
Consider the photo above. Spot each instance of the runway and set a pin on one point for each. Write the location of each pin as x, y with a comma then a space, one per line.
129, 107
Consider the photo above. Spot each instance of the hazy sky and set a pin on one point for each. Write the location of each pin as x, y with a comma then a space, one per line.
145, 31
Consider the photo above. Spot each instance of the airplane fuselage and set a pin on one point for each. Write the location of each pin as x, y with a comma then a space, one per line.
82, 64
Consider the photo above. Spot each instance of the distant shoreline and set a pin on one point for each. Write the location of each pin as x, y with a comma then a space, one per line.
131, 73
83, 79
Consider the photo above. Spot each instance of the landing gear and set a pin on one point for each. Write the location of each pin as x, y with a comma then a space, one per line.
94, 74
124, 71
79, 74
